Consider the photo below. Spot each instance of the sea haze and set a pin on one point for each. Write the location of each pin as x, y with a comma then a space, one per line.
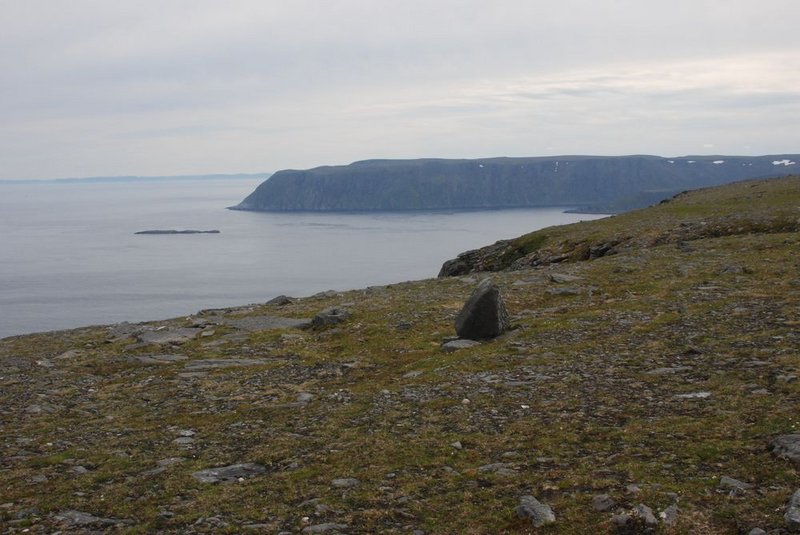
70, 256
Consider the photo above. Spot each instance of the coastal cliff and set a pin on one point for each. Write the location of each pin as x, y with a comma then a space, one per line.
599, 184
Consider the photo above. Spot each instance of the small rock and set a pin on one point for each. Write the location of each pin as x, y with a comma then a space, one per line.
539, 513
669, 516
455, 345
787, 447
603, 503
790, 378
79, 518
694, 395
330, 316
229, 474
733, 485
484, 314
756, 531
345, 483
209, 364
457, 445
669, 371
646, 514
501, 469
183, 441
561, 278
304, 397
792, 515
157, 359
328, 527
281, 300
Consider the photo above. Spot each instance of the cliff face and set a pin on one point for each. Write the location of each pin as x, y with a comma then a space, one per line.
597, 183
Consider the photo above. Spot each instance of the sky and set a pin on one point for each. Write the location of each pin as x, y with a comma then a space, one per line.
168, 87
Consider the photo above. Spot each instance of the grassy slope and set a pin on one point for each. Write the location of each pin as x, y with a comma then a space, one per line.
565, 399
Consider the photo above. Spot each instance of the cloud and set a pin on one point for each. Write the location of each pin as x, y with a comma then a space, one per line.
178, 86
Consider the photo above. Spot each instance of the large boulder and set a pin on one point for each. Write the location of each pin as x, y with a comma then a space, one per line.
484, 315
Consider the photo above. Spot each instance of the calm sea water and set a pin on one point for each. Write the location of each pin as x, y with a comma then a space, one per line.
69, 256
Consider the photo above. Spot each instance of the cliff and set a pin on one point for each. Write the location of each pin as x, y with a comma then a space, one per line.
600, 184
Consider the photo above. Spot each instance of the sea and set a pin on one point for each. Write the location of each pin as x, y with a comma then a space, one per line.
69, 255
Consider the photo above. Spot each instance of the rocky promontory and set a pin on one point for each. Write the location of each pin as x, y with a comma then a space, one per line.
602, 184
652, 388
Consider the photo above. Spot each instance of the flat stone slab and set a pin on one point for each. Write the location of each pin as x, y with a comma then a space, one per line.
328, 527
210, 364
79, 518
230, 474
787, 447
694, 395
169, 336
461, 343
262, 323
158, 359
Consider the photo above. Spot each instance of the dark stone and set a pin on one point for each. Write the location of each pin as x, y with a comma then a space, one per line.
330, 316
262, 323
484, 315
280, 301
792, 515
328, 527
539, 513
787, 447
603, 503
229, 474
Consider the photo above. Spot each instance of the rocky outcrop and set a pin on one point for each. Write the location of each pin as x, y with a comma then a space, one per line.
484, 314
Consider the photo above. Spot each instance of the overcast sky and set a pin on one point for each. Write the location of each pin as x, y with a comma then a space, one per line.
99, 87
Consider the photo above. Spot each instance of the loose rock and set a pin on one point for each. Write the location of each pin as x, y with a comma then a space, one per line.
484, 315
603, 503
455, 345
330, 316
787, 447
345, 482
792, 515
229, 474
539, 513
328, 527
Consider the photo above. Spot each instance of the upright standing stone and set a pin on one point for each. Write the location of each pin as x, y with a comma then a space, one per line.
484, 314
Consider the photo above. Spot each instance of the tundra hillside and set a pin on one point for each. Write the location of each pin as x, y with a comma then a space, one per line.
650, 388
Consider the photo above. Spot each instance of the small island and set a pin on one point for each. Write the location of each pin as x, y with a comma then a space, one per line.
177, 232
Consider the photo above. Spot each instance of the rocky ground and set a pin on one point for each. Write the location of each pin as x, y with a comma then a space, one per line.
653, 388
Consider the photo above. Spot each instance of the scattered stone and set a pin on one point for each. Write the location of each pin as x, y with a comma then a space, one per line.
733, 485
229, 474
484, 314
80, 470
621, 520
412, 374
157, 359
168, 336
304, 397
787, 447
71, 354
501, 469
328, 527
756, 531
263, 323
789, 378
330, 316
561, 278
669, 516
455, 345
760, 392
669, 371
345, 483
457, 445
792, 515
79, 518
645, 514
208, 364
281, 300
694, 395
603, 503
539, 513
183, 441
567, 290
